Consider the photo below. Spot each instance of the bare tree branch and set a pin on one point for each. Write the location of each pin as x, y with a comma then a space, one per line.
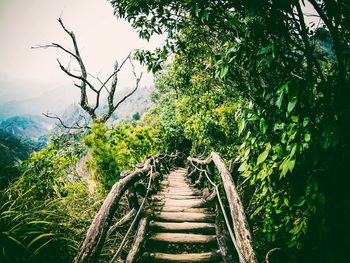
76, 126
55, 45
111, 106
116, 70
85, 85
65, 70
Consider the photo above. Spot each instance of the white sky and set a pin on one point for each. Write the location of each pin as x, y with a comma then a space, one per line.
101, 37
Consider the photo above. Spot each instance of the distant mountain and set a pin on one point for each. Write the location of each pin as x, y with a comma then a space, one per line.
56, 100
11, 89
19, 136
27, 126
139, 102
60, 101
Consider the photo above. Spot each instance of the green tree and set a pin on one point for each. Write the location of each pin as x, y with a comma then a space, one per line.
118, 149
289, 87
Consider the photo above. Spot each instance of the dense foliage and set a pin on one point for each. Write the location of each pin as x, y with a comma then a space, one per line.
13, 149
45, 213
249, 79
284, 84
117, 150
42, 213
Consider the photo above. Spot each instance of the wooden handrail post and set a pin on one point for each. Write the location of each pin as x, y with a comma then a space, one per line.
240, 223
91, 247
239, 220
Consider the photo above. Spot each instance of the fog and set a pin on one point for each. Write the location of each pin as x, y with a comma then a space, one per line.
26, 72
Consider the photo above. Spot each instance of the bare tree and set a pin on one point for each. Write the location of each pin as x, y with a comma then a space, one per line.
81, 77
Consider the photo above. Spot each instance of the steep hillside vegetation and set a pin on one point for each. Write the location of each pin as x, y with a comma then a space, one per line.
13, 151
29, 126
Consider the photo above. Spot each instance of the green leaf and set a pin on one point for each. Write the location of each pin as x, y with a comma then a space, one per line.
262, 157
301, 202
197, 10
294, 149
42, 246
307, 137
306, 121
254, 117
292, 102
265, 50
280, 92
223, 71
241, 126
284, 168
257, 210
13, 239
39, 237
242, 167
290, 165
263, 126
295, 118
205, 16
41, 222
279, 100
286, 201
264, 191
279, 126
246, 154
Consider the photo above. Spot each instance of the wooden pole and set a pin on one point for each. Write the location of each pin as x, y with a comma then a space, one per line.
239, 220
91, 247
240, 223
136, 249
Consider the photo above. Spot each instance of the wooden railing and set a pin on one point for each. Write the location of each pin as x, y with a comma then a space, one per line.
155, 166
242, 236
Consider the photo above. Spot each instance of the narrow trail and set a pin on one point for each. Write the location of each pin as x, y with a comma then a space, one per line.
183, 226
182, 215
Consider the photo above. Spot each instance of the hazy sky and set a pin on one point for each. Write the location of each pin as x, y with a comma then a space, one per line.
102, 39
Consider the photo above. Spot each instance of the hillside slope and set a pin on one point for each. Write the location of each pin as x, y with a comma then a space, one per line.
13, 150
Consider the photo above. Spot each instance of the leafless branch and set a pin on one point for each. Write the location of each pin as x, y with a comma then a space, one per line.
65, 70
137, 78
114, 75
85, 85
76, 126
55, 45
111, 106
99, 80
